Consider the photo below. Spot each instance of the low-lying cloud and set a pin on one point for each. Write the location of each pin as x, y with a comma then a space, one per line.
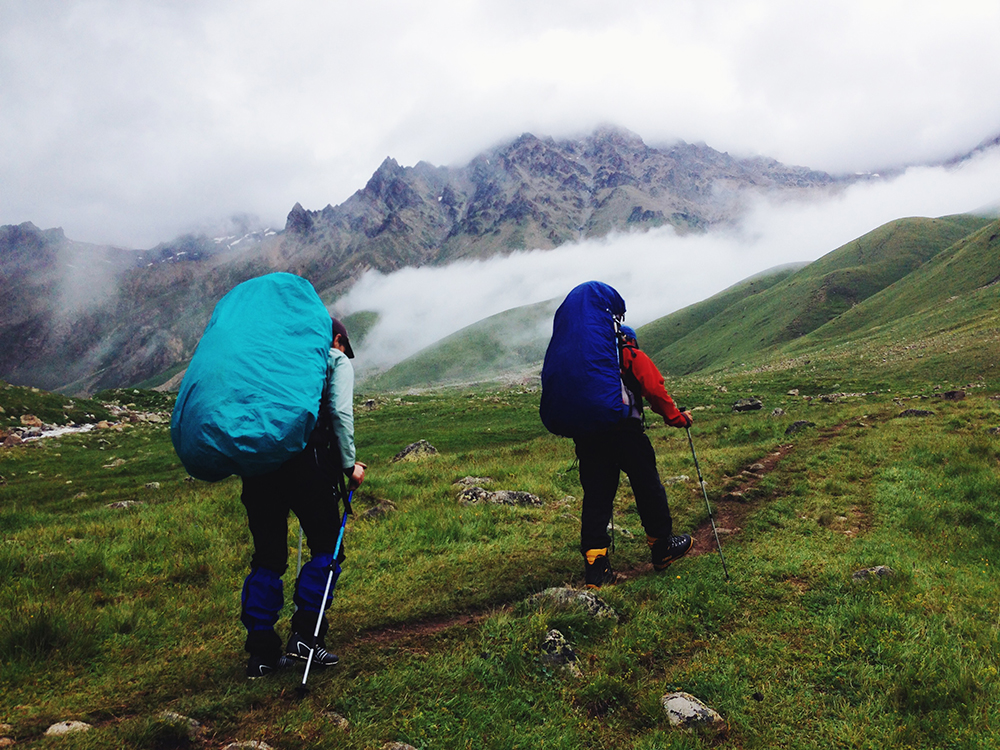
657, 272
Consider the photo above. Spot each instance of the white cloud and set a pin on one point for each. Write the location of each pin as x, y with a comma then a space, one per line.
132, 122
656, 272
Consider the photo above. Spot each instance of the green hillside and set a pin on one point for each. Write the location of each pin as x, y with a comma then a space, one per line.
812, 296
664, 331
939, 322
505, 343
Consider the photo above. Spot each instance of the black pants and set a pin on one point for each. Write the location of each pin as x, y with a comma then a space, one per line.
299, 486
302, 487
603, 456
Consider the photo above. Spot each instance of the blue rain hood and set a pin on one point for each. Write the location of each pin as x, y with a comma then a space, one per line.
251, 396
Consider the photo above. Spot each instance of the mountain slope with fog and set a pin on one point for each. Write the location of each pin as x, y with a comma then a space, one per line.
116, 317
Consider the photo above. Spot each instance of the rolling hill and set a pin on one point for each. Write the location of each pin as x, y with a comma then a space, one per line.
805, 299
508, 344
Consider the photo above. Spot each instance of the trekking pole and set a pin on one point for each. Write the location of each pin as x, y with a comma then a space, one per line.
302, 690
704, 492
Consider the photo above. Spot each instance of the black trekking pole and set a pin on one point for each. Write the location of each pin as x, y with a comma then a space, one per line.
301, 691
704, 492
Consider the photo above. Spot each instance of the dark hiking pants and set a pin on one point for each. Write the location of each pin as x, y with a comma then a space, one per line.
299, 486
603, 456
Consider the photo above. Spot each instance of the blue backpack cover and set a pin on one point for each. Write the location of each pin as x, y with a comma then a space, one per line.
251, 396
581, 376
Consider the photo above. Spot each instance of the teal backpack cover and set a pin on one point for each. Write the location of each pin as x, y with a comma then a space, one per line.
251, 396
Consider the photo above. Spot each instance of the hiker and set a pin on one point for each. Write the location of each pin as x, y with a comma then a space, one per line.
308, 484
624, 446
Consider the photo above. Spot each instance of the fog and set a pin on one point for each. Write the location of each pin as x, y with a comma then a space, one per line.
658, 271
130, 123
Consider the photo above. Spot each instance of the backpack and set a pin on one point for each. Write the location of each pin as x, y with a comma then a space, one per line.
251, 395
581, 375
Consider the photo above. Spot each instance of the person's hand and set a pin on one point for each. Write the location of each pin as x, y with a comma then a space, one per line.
682, 420
357, 476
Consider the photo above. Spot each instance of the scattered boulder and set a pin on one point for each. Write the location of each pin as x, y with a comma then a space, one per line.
778, 412
30, 420
6, 741
514, 497
336, 719
793, 392
247, 745
11, 440
474, 495
756, 468
397, 746
65, 727
676, 480
415, 452
993, 430
916, 413
798, 426
748, 404
152, 485
121, 504
734, 497
564, 597
557, 651
879, 571
953, 395
383, 508
473, 481
684, 711
114, 464
193, 727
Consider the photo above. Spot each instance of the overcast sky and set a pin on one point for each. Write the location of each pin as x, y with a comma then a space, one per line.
131, 122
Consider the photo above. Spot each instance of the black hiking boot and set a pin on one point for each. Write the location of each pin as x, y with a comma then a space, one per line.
298, 648
664, 551
596, 568
258, 666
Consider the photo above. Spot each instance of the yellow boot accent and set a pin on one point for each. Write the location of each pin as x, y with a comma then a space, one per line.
651, 540
593, 554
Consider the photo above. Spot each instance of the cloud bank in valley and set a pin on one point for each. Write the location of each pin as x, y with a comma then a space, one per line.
656, 272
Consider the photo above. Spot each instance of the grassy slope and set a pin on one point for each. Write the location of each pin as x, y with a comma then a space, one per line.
663, 332
939, 323
504, 343
814, 295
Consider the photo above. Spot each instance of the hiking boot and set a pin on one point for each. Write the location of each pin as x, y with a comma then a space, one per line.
298, 648
664, 551
596, 568
260, 667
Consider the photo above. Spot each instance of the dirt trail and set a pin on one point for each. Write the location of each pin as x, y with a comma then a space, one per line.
730, 513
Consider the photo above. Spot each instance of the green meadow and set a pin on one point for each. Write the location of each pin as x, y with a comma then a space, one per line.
113, 615
878, 444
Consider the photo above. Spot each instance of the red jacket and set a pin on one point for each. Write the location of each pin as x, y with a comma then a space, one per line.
651, 386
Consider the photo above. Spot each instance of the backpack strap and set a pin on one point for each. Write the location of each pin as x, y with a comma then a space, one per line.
630, 381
